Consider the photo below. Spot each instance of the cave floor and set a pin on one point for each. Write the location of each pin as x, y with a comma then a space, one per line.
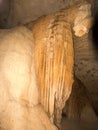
76, 125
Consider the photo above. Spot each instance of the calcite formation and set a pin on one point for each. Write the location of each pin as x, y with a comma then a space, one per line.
38, 67
19, 104
54, 55
54, 61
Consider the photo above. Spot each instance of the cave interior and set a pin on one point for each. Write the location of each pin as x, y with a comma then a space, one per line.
80, 107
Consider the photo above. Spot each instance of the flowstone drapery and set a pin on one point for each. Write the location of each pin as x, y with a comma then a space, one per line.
54, 55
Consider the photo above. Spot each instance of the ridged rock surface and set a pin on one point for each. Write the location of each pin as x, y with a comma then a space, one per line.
54, 61
54, 57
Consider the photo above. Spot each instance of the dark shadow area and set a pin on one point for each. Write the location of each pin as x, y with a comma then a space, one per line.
4, 13
67, 124
95, 31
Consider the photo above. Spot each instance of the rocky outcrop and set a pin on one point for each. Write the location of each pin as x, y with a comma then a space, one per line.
19, 104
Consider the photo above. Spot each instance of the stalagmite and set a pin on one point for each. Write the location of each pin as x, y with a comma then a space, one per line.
19, 104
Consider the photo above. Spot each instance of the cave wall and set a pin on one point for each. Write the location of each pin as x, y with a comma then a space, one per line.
27, 10
4, 12
79, 105
86, 65
19, 12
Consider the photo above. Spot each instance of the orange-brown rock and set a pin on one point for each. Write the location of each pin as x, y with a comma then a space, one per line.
54, 61
54, 57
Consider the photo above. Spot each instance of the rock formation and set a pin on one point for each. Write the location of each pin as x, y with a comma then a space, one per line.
54, 54
20, 12
54, 61
37, 69
19, 104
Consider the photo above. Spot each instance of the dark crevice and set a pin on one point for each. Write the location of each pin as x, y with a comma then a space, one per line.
95, 31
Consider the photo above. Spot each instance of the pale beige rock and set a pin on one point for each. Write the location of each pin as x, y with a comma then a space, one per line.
83, 20
16, 65
40, 120
19, 109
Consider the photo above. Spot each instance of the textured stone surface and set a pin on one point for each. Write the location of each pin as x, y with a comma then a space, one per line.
54, 62
19, 109
79, 105
86, 65
54, 55
83, 21
78, 125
